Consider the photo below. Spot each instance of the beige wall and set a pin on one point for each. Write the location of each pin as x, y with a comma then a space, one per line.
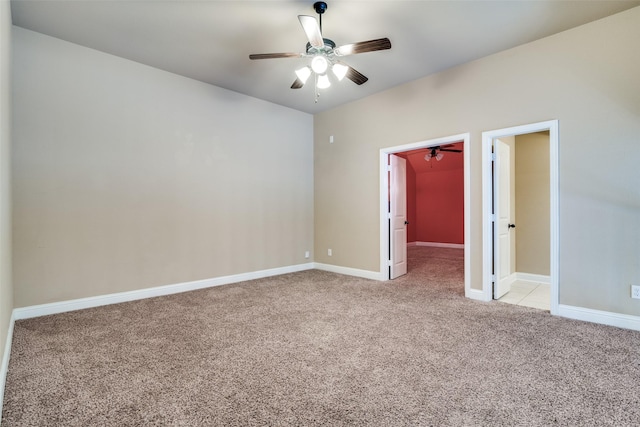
587, 78
532, 203
6, 289
128, 177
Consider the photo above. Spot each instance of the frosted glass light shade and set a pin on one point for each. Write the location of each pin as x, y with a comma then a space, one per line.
429, 156
323, 82
319, 64
303, 74
340, 70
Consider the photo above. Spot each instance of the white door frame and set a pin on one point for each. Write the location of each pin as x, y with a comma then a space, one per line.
384, 201
487, 203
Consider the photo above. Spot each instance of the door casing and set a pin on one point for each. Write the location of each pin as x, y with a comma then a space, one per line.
384, 202
487, 205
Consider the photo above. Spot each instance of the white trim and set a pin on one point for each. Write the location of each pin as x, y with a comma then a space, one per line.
438, 245
97, 301
366, 274
467, 216
554, 139
4, 369
384, 214
537, 278
384, 186
625, 321
487, 218
475, 294
487, 233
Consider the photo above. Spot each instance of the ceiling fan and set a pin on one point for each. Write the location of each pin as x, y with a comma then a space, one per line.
437, 152
325, 55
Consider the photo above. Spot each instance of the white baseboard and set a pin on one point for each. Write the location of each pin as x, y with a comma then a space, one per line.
538, 278
5, 359
82, 303
438, 245
625, 321
476, 294
366, 274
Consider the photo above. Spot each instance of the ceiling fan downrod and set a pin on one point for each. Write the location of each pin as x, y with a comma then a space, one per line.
320, 7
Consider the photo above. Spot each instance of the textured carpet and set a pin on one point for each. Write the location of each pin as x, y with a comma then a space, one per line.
317, 348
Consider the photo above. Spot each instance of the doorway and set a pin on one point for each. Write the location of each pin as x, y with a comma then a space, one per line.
499, 227
387, 252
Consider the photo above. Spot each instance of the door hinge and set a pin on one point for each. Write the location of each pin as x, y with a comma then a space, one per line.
493, 157
389, 263
493, 217
493, 278
388, 215
388, 168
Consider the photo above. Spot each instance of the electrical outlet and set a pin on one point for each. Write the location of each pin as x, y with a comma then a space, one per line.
635, 291
329, 252
306, 254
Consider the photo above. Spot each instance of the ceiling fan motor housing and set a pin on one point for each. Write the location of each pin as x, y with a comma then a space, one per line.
328, 45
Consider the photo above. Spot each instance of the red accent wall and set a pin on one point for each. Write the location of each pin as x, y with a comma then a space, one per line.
439, 206
411, 204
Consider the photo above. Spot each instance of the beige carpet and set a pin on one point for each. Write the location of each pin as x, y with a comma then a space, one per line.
317, 348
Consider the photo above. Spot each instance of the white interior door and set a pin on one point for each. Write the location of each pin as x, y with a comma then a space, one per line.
398, 216
503, 225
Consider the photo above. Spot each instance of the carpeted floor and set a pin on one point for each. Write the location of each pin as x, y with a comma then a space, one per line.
317, 348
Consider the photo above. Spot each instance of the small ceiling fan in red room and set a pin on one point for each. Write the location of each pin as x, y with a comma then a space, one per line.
435, 152
324, 55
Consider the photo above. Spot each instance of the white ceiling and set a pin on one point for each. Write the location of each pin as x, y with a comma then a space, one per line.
211, 40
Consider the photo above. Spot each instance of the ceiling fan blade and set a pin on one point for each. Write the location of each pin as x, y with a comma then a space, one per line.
355, 76
312, 30
297, 84
450, 150
274, 55
361, 47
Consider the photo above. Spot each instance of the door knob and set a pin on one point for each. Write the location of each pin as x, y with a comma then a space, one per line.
512, 226
406, 223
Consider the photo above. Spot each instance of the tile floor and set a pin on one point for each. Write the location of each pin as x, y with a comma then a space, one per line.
529, 294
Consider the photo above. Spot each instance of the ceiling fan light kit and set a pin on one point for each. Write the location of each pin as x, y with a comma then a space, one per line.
324, 54
436, 152
429, 156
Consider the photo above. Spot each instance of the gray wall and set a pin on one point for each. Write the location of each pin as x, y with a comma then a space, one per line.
127, 177
587, 78
6, 286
